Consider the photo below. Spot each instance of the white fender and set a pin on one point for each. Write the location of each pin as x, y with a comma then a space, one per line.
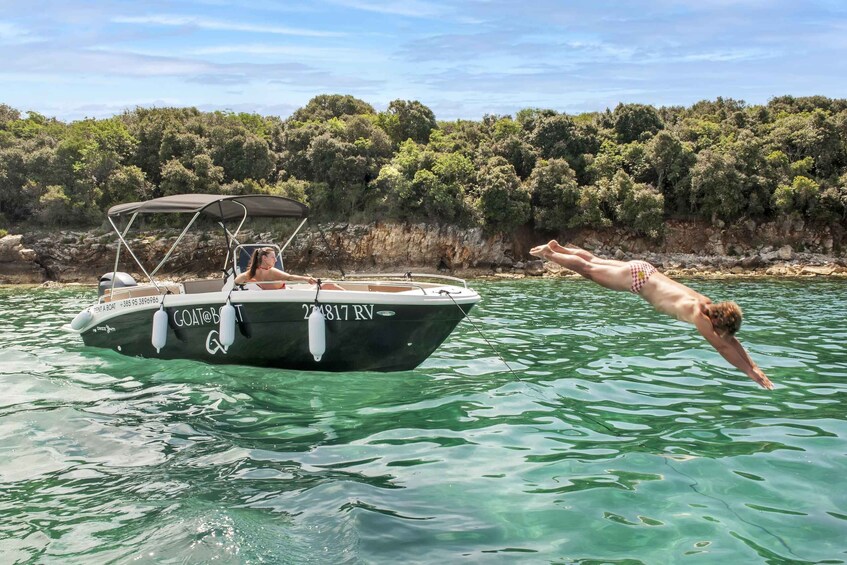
81, 320
226, 330
317, 334
160, 329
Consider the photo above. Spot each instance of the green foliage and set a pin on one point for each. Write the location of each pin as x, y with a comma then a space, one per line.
631, 166
596, 205
833, 202
424, 185
502, 201
520, 154
671, 160
803, 167
641, 207
802, 196
126, 184
57, 208
560, 137
701, 134
716, 186
555, 195
8, 115
635, 122
813, 135
327, 106
407, 119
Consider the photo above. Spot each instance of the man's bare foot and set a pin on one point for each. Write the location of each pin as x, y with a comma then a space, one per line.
541, 251
554, 245
570, 250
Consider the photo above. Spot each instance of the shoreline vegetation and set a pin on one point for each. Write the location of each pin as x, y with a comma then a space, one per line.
718, 186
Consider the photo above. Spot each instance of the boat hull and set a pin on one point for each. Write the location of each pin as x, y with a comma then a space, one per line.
359, 336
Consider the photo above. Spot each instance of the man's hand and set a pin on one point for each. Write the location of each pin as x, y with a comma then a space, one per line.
758, 376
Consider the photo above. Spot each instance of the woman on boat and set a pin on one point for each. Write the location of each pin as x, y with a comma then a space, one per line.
261, 270
715, 322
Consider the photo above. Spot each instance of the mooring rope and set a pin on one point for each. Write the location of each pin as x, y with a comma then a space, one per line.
530, 384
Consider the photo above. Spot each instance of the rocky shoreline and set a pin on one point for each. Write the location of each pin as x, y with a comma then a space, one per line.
686, 250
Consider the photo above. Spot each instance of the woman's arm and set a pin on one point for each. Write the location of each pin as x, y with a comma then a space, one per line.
289, 277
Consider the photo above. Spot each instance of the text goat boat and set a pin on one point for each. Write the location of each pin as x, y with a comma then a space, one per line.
382, 323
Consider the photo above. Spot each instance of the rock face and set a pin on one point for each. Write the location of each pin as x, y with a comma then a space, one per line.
687, 248
84, 256
19, 264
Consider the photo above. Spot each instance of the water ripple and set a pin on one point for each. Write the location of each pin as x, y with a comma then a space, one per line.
596, 430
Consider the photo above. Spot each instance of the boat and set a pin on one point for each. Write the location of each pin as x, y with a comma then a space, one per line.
384, 322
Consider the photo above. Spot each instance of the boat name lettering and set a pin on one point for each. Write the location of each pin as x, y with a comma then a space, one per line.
201, 316
342, 312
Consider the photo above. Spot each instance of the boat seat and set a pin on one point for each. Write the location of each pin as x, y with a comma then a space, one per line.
199, 286
138, 291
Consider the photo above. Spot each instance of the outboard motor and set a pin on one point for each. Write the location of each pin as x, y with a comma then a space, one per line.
122, 280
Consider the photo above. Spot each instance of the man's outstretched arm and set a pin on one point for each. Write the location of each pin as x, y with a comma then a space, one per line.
732, 350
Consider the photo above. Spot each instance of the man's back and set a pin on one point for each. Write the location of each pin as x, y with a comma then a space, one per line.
673, 298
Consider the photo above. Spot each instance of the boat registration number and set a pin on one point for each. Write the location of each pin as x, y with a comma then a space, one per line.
342, 311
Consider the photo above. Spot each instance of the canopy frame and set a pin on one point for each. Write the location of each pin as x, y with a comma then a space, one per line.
219, 207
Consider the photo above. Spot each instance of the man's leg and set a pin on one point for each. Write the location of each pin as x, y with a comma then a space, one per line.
587, 255
614, 277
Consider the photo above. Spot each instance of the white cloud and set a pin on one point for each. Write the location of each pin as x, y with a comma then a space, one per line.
220, 25
13, 34
299, 51
410, 8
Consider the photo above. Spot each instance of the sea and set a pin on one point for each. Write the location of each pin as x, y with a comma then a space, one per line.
560, 423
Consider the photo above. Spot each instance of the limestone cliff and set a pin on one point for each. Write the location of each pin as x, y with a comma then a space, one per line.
325, 250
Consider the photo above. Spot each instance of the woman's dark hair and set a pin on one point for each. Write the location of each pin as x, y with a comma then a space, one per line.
256, 259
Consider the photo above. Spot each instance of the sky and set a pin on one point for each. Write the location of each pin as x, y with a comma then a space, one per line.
73, 60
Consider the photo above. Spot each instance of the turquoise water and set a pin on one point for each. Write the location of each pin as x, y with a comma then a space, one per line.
620, 437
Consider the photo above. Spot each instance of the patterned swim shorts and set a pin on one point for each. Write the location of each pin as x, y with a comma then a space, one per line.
640, 272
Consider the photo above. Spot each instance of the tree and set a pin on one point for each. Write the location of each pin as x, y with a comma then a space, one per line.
8, 115
560, 137
503, 203
149, 127
640, 206
671, 161
408, 119
177, 179
15, 202
520, 154
812, 135
555, 195
635, 122
243, 156
801, 197
327, 106
716, 187
833, 202
126, 184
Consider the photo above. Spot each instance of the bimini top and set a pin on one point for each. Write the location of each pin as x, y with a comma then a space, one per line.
217, 206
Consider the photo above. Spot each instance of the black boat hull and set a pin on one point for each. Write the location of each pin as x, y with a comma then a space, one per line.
359, 337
